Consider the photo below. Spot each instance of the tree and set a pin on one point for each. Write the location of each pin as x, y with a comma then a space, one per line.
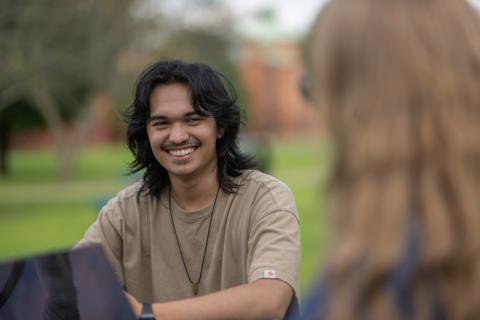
15, 117
58, 55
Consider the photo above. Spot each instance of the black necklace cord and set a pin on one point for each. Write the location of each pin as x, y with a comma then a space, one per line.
194, 284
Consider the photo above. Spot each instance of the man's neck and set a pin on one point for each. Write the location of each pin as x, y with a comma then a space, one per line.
194, 194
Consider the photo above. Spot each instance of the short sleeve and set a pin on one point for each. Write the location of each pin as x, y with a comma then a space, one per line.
107, 230
274, 248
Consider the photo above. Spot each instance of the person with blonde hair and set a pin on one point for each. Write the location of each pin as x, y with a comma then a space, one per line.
398, 83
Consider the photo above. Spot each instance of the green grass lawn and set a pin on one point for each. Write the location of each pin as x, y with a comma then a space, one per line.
39, 213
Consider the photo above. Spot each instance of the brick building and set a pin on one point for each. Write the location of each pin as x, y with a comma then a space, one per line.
270, 73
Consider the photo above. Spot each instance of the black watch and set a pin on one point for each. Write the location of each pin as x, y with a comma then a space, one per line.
147, 312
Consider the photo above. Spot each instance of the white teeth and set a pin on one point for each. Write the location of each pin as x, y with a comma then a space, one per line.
181, 152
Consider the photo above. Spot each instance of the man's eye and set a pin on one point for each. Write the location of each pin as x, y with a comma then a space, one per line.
159, 124
194, 120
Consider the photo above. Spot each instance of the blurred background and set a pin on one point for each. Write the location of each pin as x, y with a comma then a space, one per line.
67, 72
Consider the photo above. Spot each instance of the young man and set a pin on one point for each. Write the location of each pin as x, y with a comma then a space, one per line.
203, 235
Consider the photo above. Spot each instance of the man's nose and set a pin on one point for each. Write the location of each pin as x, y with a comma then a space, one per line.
178, 133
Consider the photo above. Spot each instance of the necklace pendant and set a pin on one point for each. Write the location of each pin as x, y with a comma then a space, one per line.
195, 288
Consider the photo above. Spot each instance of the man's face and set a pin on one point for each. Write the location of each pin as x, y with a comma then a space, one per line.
182, 141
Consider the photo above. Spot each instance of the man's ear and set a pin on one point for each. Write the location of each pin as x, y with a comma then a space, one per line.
220, 133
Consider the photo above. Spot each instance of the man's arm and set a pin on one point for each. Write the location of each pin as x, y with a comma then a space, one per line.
262, 299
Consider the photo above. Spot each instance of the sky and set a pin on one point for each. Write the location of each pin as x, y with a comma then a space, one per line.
476, 4
293, 18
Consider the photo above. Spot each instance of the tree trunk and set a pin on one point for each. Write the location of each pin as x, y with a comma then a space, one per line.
83, 128
48, 108
67, 147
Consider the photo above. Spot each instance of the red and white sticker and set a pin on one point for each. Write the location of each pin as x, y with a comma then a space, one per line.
269, 274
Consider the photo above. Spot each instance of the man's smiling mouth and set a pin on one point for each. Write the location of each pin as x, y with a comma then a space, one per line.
181, 152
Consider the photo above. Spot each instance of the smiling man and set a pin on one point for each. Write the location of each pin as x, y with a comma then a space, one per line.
203, 235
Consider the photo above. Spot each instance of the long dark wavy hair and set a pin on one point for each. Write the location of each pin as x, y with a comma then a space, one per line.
209, 97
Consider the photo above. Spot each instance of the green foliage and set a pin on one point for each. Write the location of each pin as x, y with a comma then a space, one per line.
38, 213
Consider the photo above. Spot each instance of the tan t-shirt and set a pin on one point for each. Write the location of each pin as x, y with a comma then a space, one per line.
254, 234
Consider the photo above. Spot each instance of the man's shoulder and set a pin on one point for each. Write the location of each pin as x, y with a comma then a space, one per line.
128, 200
267, 189
130, 191
255, 178
128, 195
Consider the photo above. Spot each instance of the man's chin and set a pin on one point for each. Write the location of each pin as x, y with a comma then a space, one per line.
181, 173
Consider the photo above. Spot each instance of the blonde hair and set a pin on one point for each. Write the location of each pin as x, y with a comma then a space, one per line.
399, 81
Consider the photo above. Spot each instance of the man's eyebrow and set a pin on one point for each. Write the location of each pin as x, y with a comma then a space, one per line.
186, 115
157, 117
194, 113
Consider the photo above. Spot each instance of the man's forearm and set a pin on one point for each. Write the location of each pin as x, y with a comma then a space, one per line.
263, 299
